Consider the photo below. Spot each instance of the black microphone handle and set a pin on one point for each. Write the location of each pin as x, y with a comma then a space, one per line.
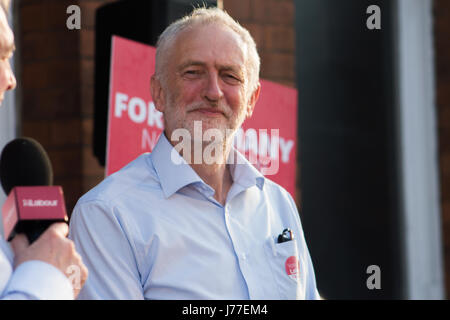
32, 228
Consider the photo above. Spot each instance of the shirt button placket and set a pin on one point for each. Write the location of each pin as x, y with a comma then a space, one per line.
237, 245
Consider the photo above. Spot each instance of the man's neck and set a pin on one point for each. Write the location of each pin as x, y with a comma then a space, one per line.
214, 173
217, 176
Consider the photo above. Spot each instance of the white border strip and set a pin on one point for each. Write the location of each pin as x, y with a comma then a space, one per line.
419, 151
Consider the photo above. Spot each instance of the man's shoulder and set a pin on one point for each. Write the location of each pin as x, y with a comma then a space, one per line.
118, 185
274, 189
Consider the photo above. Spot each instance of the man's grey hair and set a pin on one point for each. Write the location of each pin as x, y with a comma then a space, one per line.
205, 16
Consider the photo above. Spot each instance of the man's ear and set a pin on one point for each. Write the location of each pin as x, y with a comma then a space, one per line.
157, 94
252, 101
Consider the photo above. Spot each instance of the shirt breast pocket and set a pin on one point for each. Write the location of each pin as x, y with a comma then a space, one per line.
287, 268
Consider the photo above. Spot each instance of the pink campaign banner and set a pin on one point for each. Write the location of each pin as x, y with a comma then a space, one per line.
268, 139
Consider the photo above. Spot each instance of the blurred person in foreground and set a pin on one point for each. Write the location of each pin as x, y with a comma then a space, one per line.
172, 226
36, 271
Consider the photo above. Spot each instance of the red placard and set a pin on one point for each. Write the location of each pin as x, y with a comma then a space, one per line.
268, 139
33, 203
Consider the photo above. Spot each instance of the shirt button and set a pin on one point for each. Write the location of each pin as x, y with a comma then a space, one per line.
244, 256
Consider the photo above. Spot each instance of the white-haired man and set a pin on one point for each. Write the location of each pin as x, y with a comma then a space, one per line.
36, 271
168, 226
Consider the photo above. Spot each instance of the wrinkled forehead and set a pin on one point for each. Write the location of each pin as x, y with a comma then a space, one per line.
210, 40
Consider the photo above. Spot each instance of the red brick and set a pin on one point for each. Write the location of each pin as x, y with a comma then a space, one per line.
50, 104
34, 76
445, 209
66, 101
443, 104
88, 10
257, 32
87, 129
65, 132
240, 10
87, 100
279, 38
46, 45
278, 65
91, 167
66, 161
87, 72
441, 10
444, 140
445, 189
50, 74
32, 17
56, 14
87, 43
38, 130
276, 12
35, 105
442, 68
444, 163
45, 15
72, 189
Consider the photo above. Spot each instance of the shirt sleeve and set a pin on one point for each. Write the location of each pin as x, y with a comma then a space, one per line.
101, 240
37, 280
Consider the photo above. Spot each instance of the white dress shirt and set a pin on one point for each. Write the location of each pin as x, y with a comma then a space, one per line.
153, 230
34, 280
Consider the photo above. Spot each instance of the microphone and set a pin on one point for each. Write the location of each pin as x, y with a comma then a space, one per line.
33, 204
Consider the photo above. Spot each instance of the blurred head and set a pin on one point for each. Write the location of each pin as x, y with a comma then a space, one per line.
4, 4
206, 70
7, 79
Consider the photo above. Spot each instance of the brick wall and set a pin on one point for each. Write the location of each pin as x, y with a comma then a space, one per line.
442, 68
56, 68
272, 25
56, 76
55, 82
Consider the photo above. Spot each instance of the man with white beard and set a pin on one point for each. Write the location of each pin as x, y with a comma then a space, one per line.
170, 226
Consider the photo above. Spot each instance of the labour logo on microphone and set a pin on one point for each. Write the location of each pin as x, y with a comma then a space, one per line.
292, 266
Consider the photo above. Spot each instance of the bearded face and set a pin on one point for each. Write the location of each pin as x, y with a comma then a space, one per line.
207, 82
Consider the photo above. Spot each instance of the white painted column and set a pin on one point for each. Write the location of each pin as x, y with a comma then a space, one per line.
419, 160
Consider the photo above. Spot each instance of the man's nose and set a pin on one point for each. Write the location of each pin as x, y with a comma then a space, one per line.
12, 81
213, 91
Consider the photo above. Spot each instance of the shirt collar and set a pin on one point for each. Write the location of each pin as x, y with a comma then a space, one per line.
175, 173
243, 172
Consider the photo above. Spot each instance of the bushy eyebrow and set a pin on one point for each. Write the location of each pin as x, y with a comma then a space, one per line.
190, 63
